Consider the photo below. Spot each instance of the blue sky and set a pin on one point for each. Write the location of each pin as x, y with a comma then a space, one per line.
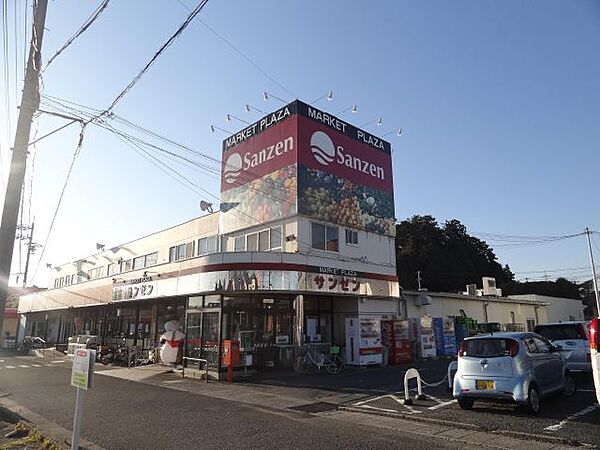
499, 103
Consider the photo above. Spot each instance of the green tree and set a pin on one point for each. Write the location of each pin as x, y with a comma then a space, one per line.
447, 256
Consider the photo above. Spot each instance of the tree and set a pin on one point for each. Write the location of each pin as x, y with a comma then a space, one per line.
447, 256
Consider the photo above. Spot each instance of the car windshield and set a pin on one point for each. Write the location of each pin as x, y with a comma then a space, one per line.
561, 332
487, 348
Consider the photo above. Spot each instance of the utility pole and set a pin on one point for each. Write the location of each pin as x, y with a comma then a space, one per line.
30, 250
30, 102
594, 280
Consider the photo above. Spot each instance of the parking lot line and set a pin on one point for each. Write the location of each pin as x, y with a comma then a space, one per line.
410, 408
10, 367
23, 366
370, 400
563, 422
379, 409
56, 362
441, 405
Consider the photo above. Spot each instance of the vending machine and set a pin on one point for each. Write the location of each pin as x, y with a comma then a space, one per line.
426, 339
363, 341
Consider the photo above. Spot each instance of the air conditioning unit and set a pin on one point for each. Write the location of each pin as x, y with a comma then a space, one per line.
489, 286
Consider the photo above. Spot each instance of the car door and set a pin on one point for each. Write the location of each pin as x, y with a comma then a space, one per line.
553, 365
538, 363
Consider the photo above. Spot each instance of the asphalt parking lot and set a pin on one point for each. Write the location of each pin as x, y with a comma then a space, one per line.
576, 418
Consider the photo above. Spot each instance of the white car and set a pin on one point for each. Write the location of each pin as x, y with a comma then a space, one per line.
574, 339
518, 368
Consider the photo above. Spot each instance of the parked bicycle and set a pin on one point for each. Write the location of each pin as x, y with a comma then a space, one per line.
308, 357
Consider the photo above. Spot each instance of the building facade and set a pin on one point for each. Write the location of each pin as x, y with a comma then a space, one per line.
304, 239
559, 309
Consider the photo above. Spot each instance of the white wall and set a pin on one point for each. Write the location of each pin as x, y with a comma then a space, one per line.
379, 250
498, 309
560, 309
160, 241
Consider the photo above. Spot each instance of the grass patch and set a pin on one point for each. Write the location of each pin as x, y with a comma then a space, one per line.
34, 440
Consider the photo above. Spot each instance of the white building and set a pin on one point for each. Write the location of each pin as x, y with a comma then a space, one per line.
304, 239
559, 309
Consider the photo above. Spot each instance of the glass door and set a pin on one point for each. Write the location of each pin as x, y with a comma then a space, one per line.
209, 343
193, 335
202, 336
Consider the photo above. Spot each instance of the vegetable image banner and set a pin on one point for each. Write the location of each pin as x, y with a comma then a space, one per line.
332, 199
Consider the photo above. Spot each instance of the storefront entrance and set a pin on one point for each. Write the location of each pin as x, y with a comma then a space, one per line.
203, 335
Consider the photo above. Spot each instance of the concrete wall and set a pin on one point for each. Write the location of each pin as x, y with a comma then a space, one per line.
560, 309
498, 308
157, 242
377, 249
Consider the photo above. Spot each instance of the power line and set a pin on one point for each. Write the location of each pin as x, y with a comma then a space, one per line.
82, 29
137, 78
62, 193
242, 54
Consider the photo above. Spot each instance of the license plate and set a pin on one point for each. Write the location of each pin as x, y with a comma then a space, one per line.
485, 385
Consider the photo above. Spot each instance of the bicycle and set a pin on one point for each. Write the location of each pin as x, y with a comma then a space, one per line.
308, 356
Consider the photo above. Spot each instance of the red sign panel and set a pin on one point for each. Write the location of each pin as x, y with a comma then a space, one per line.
322, 148
260, 155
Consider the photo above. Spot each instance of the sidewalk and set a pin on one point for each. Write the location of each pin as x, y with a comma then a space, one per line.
287, 389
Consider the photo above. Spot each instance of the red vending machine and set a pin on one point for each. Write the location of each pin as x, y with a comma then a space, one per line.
395, 335
402, 348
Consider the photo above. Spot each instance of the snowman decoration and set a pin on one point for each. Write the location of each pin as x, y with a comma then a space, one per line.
170, 342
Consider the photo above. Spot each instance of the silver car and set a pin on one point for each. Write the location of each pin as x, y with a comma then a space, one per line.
519, 368
574, 339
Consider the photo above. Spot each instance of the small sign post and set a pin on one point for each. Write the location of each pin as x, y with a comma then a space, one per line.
81, 378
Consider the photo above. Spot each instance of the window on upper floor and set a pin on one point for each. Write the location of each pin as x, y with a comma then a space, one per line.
96, 272
351, 237
141, 262
151, 259
207, 245
181, 251
276, 238
239, 244
125, 265
111, 269
264, 242
252, 242
324, 237
270, 239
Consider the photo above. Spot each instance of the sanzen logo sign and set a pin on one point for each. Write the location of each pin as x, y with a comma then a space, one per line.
236, 163
325, 152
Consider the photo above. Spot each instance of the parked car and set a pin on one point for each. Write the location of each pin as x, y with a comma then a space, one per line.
595, 356
574, 338
519, 368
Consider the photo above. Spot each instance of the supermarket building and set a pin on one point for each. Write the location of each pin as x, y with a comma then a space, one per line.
303, 241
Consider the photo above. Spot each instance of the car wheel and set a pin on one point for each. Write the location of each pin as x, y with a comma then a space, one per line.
569, 387
533, 401
466, 403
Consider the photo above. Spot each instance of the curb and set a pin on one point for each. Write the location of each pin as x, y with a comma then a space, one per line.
446, 423
468, 426
51, 429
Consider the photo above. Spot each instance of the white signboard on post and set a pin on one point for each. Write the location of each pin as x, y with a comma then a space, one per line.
83, 368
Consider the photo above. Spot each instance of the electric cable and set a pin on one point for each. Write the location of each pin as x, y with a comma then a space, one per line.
242, 54
138, 77
62, 193
82, 29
